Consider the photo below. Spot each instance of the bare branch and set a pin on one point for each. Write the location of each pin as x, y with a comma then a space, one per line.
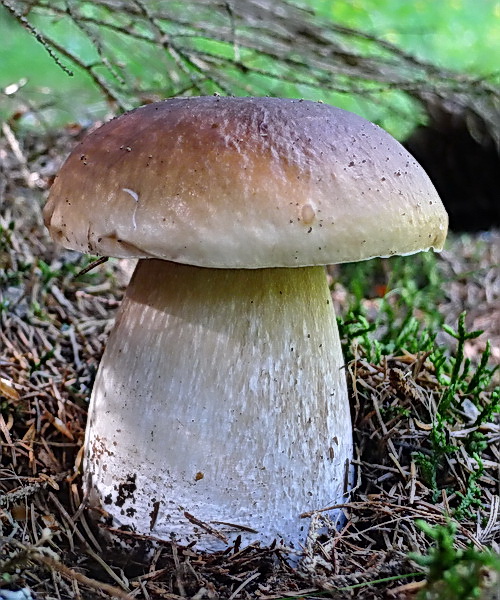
256, 47
36, 34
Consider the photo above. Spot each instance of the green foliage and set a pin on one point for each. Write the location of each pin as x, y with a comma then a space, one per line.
491, 407
455, 373
452, 572
433, 464
473, 494
461, 381
406, 315
458, 383
424, 28
406, 319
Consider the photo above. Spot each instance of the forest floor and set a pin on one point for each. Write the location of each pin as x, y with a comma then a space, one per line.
414, 461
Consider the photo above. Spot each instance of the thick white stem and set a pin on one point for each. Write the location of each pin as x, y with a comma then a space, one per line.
222, 394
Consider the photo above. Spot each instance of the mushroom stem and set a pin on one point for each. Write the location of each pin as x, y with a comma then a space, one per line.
222, 394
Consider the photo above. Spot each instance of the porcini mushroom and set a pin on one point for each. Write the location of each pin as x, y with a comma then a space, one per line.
221, 396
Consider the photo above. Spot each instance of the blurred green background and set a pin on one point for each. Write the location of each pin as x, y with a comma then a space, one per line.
463, 35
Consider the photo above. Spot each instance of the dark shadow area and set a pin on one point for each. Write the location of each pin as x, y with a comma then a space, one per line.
459, 153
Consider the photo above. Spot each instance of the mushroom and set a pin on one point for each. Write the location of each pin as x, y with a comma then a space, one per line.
220, 407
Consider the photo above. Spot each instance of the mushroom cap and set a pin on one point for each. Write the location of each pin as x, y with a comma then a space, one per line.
244, 183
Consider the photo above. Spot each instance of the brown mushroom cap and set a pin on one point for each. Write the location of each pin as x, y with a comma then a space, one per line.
244, 183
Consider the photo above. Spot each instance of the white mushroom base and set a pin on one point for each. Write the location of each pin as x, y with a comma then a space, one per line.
221, 394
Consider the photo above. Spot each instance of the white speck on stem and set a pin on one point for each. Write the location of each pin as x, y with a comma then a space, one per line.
135, 196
